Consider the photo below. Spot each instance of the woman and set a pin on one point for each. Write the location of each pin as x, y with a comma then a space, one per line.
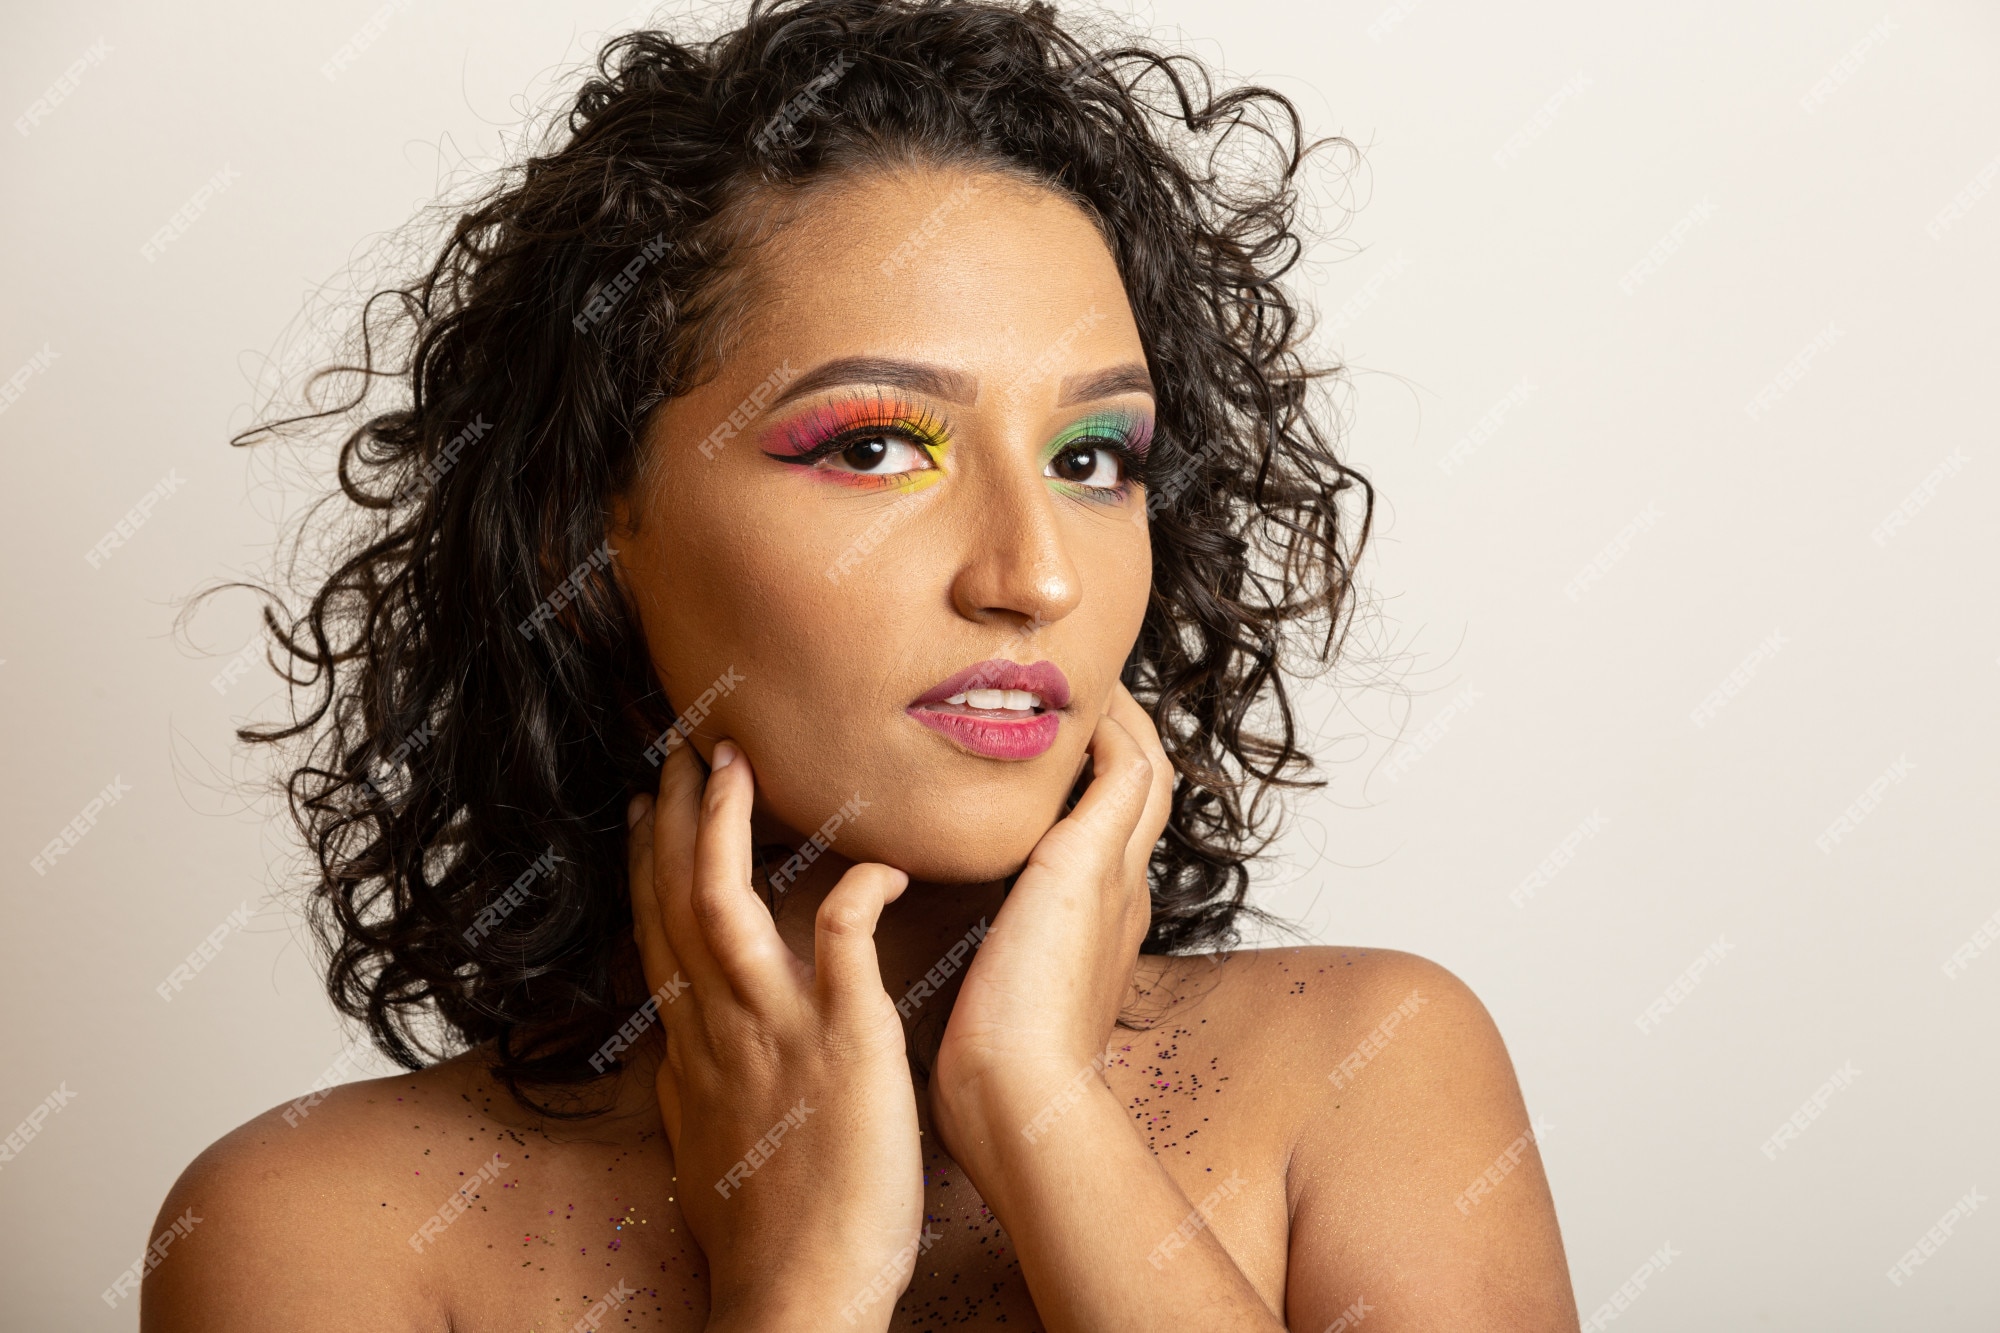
793, 727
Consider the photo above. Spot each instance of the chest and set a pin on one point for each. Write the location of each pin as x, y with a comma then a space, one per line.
589, 1233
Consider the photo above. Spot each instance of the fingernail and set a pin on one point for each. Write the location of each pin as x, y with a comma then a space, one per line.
725, 755
633, 809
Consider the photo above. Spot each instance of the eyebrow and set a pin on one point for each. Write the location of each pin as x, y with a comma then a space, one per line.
954, 386
1105, 384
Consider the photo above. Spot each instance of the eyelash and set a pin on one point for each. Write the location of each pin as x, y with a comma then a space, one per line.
874, 415
1128, 448
866, 416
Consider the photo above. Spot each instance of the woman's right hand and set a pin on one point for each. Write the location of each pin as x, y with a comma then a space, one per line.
786, 1090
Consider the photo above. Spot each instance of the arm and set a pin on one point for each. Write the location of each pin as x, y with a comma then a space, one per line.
1106, 1239
1418, 1197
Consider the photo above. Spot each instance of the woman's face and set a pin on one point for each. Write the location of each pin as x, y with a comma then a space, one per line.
897, 526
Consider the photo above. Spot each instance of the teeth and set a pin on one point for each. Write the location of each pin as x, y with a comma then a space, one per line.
1020, 701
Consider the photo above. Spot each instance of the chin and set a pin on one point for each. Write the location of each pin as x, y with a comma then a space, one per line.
971, 836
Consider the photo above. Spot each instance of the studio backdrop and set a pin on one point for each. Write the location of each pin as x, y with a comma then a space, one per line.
1668, 722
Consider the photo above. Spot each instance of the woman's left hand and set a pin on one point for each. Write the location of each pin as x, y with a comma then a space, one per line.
1040, 998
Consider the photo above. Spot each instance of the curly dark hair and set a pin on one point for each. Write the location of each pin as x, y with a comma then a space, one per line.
461, 786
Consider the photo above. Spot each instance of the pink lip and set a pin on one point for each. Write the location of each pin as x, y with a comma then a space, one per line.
1043, 678
982, 732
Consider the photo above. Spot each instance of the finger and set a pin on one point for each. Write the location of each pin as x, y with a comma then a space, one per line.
656, 955
845, 965
1122, 779
1160, 795
675, 818
733, 920
656, 952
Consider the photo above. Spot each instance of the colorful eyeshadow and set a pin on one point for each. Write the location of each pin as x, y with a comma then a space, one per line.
829, 428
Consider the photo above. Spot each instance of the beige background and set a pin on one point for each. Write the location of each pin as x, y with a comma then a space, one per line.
1482, 276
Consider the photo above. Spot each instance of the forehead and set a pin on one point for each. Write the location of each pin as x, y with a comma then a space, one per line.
963, 268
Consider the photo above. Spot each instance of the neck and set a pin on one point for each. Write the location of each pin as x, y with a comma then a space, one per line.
923, 943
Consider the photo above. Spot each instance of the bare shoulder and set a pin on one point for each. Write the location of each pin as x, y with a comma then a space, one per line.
1315, 1020
298, 1218
1414, 1176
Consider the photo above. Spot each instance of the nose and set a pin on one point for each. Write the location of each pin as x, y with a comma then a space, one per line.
1017, 568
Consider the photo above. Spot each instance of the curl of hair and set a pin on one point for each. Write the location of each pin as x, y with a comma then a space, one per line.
479, 698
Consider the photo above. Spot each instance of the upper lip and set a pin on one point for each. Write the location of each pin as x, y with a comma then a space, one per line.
1042, 678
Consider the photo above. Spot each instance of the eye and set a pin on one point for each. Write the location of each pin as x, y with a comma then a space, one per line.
879, 454
1086, 463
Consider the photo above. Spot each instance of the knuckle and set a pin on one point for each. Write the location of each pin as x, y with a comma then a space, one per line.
841, 920
707, 907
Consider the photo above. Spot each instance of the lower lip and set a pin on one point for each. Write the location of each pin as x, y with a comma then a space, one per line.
996, 738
